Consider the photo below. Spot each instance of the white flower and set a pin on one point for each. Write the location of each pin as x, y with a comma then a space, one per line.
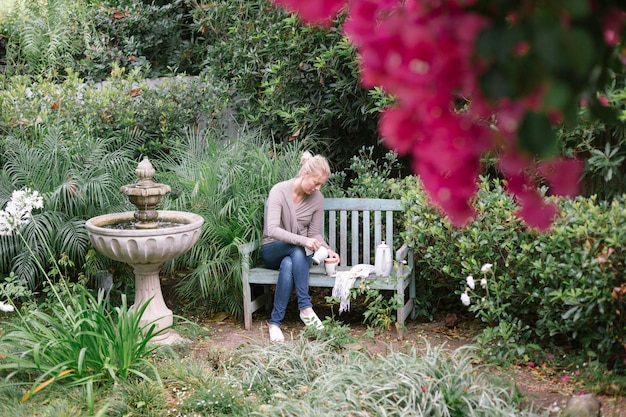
486, 268
7, 308
483, 282
18, 210
465, 299
470, 282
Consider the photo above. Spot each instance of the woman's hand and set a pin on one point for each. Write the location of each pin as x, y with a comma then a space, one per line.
333, 254
313, 244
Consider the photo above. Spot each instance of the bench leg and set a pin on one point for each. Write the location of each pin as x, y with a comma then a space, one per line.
268, 299
247, 306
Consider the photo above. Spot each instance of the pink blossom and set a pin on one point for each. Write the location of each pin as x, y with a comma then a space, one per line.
604, 101
535, 211
423, 54
612, 24
562, 174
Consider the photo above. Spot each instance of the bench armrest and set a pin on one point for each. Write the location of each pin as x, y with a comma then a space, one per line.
247, 248
402, 253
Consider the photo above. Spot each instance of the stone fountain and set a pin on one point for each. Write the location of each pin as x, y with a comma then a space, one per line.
145, 239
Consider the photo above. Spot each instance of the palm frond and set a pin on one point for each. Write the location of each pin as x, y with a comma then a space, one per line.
9, 248
72, 239
226, 181
26, 266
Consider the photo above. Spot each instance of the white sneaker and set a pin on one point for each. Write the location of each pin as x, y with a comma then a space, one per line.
312, 320
276, 335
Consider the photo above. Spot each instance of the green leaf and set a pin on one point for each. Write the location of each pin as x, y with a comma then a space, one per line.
537, 136
576, 8
558, 95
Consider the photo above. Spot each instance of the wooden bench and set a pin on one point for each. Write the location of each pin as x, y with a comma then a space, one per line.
353, 227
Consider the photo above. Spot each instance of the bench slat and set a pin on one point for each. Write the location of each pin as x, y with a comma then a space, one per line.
362, 204
366, 235
355, 237
343, 237
389, 230
318, 278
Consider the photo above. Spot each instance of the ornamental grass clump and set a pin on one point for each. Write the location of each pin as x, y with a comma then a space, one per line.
304, 378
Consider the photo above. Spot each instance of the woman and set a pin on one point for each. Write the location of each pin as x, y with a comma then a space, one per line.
291, 234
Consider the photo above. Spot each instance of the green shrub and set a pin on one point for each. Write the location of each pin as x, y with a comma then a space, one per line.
44, 38
51, 39
153, 36
554, 287
289, 79
125, 104
601, 145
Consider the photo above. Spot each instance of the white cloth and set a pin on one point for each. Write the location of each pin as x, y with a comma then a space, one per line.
344, 281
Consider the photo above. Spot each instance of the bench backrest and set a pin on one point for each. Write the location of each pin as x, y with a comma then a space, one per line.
354, 227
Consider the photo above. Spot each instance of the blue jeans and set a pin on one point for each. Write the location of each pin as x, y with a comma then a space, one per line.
293, 266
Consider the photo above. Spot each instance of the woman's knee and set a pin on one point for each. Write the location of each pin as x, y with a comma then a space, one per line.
286, 268
298, 256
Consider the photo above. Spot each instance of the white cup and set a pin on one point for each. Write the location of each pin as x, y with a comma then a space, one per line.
320, 255
331, 266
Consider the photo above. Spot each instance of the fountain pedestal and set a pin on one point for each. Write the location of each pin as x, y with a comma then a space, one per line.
145, 245
148, 288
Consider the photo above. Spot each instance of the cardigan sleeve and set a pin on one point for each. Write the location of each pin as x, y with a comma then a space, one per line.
280, 222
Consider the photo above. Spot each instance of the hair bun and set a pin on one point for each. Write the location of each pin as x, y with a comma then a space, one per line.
306, 155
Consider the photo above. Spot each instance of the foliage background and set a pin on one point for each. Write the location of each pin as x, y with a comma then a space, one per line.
245, 87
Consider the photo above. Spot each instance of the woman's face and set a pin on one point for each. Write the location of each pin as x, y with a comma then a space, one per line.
312, 182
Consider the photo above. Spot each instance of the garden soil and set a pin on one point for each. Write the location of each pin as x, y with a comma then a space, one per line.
544, 389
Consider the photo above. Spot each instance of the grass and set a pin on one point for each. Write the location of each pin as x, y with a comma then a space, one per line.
302, 377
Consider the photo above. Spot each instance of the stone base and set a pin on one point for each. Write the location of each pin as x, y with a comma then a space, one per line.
169, 337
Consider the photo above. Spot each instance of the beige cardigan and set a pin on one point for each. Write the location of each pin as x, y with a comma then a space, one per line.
291, 223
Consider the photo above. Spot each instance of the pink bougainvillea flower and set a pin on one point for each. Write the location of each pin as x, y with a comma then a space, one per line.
535, 211
319, 12
562, 174
604, 101
521, 48
423, 54
396, 125
612, 25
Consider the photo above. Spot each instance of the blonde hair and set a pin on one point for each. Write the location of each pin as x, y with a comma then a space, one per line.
314, 165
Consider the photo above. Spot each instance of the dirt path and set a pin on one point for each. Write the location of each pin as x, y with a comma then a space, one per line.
545, 391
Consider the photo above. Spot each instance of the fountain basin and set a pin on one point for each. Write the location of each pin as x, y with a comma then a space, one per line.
144, 246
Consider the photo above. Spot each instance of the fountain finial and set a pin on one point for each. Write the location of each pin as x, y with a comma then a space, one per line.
145, 194
145, 171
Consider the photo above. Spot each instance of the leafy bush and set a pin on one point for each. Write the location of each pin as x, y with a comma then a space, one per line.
157, 113
555, 287
153, 36
289, 79
601, 145
43, 38
367, 176
49, 40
